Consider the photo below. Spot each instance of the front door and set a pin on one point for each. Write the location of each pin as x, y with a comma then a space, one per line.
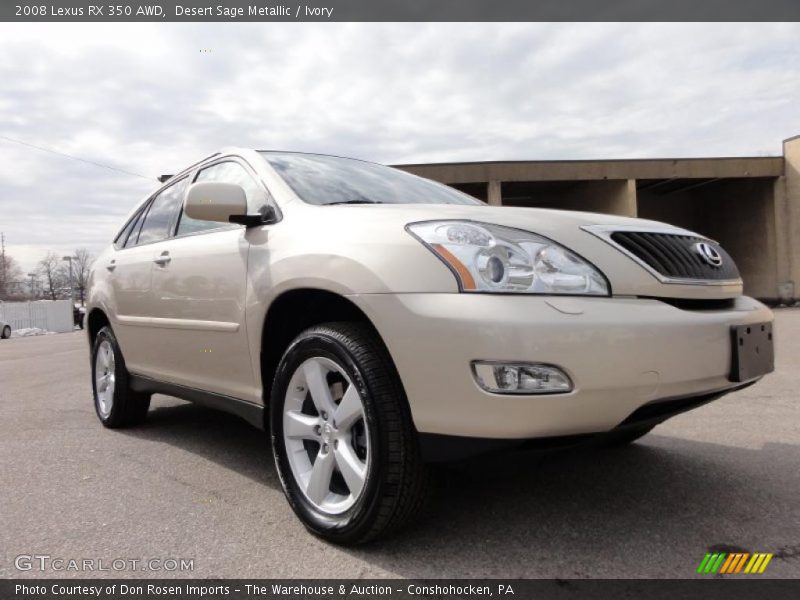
198, 312
199, 292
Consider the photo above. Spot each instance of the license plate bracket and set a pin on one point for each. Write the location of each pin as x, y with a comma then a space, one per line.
753, 351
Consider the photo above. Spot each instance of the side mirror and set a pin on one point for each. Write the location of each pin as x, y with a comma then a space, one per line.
215, 201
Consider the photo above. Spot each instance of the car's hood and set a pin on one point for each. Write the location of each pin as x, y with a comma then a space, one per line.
538, 220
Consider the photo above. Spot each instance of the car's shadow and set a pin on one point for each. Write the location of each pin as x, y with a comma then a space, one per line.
544, 506
216, 436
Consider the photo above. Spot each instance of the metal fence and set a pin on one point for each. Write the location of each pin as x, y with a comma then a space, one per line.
51, 315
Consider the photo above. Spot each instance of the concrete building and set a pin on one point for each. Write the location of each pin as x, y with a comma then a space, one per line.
751, 205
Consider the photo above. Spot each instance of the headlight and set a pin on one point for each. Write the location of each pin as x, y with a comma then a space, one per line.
492, 258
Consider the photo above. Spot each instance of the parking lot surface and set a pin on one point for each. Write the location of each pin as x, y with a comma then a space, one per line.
198, 484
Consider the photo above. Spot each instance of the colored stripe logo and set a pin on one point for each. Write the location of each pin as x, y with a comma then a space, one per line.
732, 563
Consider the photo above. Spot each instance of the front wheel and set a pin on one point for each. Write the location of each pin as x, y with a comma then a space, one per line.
344, 444
6, 332
116, 404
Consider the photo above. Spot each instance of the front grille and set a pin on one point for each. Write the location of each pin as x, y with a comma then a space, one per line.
674, 255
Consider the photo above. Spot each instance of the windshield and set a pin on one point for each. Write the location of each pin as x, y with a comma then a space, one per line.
320, 179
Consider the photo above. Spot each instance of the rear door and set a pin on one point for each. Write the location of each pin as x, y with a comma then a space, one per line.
199, 296
129, 279
131, 276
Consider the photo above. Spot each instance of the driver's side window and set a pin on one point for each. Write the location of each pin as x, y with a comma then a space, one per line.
227, 172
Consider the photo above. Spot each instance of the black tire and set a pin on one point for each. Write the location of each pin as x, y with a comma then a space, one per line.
128, 407
6, 332
627, 437
396, 481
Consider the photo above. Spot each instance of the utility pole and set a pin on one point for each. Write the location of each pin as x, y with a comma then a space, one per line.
33, 285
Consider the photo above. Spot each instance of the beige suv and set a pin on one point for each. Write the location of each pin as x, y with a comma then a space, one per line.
372, 321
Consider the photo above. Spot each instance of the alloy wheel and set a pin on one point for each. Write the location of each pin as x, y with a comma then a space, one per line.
326, 436
105, 378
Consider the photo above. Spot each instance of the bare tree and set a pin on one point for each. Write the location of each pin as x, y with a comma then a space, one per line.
80, 271
10, 273
51, 270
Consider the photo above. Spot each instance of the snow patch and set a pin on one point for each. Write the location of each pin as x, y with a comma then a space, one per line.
30, 331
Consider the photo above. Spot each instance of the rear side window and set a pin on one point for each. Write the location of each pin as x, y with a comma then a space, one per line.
120, 240
160, 218
136, 225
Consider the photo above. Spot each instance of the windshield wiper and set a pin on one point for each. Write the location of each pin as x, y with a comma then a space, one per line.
355, 202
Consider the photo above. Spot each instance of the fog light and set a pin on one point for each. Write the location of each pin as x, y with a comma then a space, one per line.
520, 378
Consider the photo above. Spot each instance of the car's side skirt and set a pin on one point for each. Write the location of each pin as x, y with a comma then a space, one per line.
250, 412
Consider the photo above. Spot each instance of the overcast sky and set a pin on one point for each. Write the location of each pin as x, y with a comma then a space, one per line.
144, 98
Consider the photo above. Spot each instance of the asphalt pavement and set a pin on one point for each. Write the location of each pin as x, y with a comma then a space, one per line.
200, 485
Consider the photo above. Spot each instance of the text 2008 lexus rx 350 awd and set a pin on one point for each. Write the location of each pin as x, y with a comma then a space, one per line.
371, 321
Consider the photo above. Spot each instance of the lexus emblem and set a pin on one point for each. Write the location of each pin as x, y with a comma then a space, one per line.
709, 254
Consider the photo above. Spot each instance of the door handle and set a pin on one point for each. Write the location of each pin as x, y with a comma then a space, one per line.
162, 260
111, 266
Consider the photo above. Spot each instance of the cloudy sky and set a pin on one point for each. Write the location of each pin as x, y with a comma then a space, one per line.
145, 99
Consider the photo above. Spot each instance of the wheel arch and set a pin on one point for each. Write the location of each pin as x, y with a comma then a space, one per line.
294, 311
95, 321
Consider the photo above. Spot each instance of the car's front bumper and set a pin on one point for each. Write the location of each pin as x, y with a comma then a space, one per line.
620, 353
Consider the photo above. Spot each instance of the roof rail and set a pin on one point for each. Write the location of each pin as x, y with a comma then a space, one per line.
164, 178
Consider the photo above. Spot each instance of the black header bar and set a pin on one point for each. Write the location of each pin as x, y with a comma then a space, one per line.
710, 588
398, 10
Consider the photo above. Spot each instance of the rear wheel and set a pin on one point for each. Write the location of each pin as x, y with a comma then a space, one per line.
115, 403
6, 332
344, 444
